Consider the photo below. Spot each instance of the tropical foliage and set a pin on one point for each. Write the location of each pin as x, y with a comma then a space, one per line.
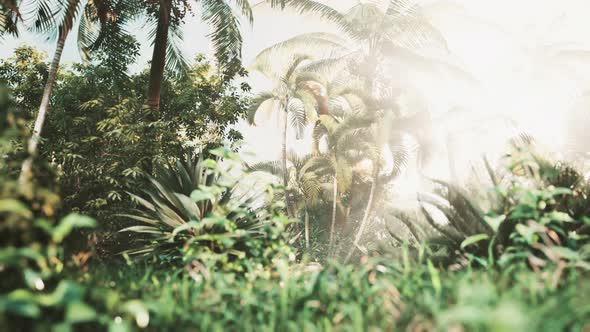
134, 208
196, 211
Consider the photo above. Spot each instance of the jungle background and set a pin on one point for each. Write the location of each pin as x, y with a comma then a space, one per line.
294, 165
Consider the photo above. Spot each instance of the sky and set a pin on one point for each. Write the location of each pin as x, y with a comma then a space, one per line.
531, 59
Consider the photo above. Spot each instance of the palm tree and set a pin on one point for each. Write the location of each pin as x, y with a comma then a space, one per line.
339, 156
377, 33
168, 15
304, 186
292, 96
375, 139
95, 16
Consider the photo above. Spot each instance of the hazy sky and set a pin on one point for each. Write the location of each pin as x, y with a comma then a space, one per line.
531, 58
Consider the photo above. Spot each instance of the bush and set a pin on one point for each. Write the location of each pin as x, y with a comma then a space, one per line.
537, 213
195, 211
37, 293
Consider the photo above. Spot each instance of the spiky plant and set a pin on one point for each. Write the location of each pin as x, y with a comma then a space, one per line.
193, 210
538, 214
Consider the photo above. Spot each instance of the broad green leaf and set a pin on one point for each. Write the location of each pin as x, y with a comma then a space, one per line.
21, 307
473, 239
33, 280
495, 221
209, 163
77, 312
560, 216
70, 222
139, 311
14, 206
200, 195
65, 292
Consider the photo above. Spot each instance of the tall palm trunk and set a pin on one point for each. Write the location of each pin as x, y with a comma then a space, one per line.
451, 159
32, 147
334, 204
306, 228
159, 55
290, 213
365, 219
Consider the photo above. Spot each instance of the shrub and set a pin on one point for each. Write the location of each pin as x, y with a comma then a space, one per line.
537, 214
195, 210
36, 293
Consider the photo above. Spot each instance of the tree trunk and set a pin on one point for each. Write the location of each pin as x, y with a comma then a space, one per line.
33, 144
306, 228
159, 55
290, 213
451, 159
368, 210
334, 198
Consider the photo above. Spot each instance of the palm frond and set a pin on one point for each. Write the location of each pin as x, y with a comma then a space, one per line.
364, 21
309, 104
293, 66
245, 9
406, 26
278, 56
256, 103
226, 36
89, 30
68, 15
327, 67
9, 17
42, 16
273, 167
297, 115
176, 60
314, 7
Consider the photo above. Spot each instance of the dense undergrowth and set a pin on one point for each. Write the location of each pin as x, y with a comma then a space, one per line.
144, 218
187, 277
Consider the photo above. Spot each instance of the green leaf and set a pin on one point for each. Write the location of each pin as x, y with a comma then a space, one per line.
25, 307
189, 225
119, 327
209, 163
473, 239
201, 195
526, 232
561, 191
495, 221
33, 280
65, 292
139, 311
70, 222
14, 206
77, 312
564, 252
435, 278
560, 216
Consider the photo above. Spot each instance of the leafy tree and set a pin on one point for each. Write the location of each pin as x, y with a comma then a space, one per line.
60, 21
167, 17
96, 132
22, 73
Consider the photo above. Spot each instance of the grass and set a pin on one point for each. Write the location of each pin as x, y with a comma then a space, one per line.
375, 295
